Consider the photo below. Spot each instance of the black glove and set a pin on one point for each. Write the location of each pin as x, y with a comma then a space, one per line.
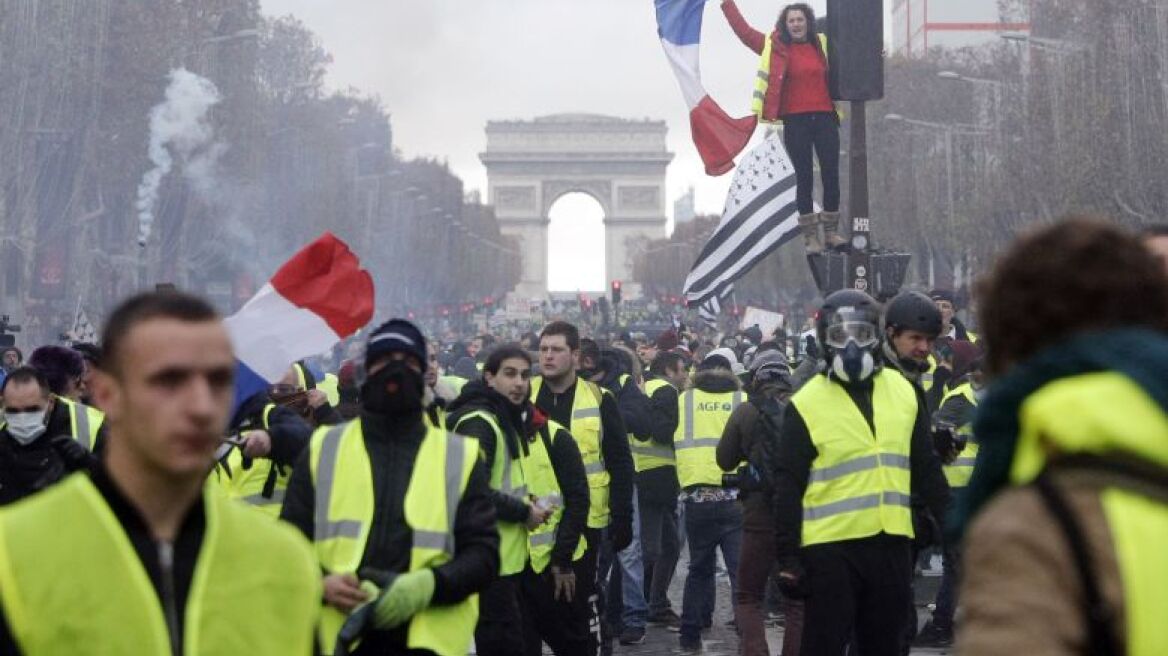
811, 348
71, 452
792, 579
620, 533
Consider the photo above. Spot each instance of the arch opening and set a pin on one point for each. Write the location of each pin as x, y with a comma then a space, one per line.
576, 247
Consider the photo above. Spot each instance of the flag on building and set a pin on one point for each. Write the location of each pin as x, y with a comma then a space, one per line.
314, 300
760, 215
83, 331
718, 137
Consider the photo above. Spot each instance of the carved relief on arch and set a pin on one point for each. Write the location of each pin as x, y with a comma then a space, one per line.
601, 190
515, 198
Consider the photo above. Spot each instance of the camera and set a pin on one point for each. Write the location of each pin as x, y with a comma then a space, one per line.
746, 478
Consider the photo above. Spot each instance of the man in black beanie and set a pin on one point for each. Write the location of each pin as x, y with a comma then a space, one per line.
405, 528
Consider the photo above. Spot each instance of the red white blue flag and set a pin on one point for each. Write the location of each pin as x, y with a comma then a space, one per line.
718, 137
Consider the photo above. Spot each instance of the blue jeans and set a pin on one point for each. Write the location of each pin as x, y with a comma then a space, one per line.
628, 580
709, 526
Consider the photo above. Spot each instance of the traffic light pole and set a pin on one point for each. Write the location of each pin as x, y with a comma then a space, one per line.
859, 264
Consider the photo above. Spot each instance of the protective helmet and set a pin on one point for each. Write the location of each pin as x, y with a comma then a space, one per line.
913, 311
848, 330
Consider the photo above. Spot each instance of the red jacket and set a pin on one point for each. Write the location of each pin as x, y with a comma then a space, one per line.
756, 41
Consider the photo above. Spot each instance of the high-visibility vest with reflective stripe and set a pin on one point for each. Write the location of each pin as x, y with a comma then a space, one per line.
762, 79
84, 421
330, 385
71, 582
588, 431
648, 454
342, 477
927, 376
961, 470
247, 485
456, 383
1096, 413
860, 483
542, 482
703, 416
507, 476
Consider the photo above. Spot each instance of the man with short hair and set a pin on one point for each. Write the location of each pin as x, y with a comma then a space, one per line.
63, 369
31, 458
133, 531
11, 358
593, 418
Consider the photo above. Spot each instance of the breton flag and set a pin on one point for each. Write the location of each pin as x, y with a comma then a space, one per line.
760, 216
718, 137
709, 310
316, 299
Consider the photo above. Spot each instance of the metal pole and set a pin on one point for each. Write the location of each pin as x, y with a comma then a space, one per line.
859, 269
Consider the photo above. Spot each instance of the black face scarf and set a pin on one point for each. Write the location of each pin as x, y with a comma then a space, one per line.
394, 390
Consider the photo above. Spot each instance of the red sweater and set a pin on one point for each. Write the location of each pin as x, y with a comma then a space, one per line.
806, 83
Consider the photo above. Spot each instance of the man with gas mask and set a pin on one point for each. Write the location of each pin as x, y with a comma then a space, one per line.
32, 458
400, 514
854, 446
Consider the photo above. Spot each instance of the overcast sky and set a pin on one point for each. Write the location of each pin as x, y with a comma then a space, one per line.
443, 68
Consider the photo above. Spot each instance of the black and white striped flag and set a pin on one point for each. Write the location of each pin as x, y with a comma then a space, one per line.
760, 216
709, 310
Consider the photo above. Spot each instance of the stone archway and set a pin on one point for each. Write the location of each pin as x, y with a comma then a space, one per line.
619, 162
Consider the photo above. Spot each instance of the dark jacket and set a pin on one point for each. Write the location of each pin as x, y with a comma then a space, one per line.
60, 424
659, 486
27, 469
475, 396
739, 445
186, 553
792, 469
614, 446
392, 444
288, 430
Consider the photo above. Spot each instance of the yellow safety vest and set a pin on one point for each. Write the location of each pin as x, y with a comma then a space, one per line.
507, 476
649, 454
588, 431
84, 421
342, 478
927, 376
762, 79
961, 470
542, 482
703, 417
330, 385
247, 485
860, 483
1096, 413
455, 382
71, 582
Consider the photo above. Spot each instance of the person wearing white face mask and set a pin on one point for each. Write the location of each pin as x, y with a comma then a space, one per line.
31, 459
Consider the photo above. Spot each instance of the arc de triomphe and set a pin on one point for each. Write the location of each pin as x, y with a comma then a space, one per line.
619, 162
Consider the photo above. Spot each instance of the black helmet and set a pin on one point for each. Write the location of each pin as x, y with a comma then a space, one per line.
913, 311
845, 306
848, 328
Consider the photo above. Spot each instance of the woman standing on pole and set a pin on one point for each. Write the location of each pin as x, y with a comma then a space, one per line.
791, 88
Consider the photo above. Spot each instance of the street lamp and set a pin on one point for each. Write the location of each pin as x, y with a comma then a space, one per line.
1061, 46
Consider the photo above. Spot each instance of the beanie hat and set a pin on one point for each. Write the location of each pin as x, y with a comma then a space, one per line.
769, 358
396, 336
58, 364
667, 341
943, 295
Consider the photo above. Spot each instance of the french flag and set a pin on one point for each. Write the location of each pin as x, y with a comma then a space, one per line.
316, 299
718, 137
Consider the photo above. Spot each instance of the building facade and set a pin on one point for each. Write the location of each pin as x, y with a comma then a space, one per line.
918, 25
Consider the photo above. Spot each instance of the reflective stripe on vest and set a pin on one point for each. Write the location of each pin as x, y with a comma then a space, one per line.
541, 478
345, 504
960, 470
264, 571
588, 431
648, 454
860, 482
85, 421
506, 477
695, 441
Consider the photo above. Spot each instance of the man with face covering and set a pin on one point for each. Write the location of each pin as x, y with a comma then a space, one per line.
854, 446
400, 512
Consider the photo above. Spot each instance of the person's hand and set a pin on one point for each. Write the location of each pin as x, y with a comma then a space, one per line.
72, 453
408, 595
257, 444
621, 533
316, 398
536, 516
565, 583
793, 581
811, 347
343, 592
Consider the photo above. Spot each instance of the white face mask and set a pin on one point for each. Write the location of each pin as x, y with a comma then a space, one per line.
26, 427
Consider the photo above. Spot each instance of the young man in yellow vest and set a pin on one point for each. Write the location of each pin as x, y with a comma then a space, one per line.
400, 513
713, 518
854, 447
173, 567
593, 419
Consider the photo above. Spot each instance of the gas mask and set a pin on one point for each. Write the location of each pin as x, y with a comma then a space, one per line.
851, 350
26, 427
395, 389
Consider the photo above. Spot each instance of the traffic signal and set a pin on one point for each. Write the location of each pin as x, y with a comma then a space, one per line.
616, 292
855, 49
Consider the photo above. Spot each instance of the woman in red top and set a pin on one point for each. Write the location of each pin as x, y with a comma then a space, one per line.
796, 94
